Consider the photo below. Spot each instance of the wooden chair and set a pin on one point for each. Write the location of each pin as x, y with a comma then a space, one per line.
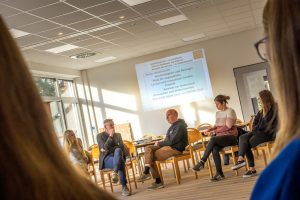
197, 144
108, 172
266, 146
203, 127
231, 150
132, 163
95, 153
174, 160
91, 167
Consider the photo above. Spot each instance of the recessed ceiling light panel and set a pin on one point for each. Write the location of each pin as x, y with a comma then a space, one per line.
135, 2
62, 48
171, 20
18, 33
105, 59
194, 37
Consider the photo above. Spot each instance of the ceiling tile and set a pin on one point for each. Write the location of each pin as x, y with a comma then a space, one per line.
54, 33
86, 3
118, 16
258, 4
73, 52
26, 5
179, 26
30, 40
182, 2
53, 10
71, 18
100, 46
138, 26
235, 11
240, 21
106, 8
87, 24
8, 11
105, 31
129, 41
78, 38
232, 4
114, 35
21, 19
39, 27
88, 42
242, 27
239, 16
164, 15
50, 45
153, 6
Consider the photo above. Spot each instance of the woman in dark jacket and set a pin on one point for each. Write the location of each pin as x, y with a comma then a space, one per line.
264, 130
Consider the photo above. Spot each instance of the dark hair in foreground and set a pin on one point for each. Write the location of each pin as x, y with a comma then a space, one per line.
32, 163
281, 19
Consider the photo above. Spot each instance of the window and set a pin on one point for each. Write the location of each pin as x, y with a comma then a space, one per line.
46, 86
60, 97
66, 88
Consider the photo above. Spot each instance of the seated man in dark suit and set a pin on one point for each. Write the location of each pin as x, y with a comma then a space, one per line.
174, 144
113, 154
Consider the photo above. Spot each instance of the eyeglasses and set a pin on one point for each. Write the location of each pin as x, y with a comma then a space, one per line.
260, 47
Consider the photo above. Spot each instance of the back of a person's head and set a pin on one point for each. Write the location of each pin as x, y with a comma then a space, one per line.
31, 160
281, 20
222, 98
173, 112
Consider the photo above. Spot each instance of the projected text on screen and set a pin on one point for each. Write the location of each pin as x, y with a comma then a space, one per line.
174, 80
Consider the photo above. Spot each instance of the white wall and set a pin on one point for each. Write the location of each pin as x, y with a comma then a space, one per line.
223, 54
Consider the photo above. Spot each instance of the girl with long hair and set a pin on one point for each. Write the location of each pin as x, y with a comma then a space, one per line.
75, 150
264, 130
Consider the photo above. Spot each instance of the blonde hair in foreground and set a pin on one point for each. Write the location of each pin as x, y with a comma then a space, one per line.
32, 163
281, 20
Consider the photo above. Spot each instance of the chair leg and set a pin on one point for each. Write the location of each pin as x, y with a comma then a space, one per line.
234, 162
265, 158
102, 180
159, 171
128, 178
110, 183
173, 170
133, 174
139, 166
177, 172
196, 157
193, 162
184, 166
188, 163
247, 164
209, 168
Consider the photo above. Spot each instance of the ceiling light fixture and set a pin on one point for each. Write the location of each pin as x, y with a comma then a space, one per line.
83, 55
105, 59
18, 33
194, 37
62, 48
135, 2
171, 20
